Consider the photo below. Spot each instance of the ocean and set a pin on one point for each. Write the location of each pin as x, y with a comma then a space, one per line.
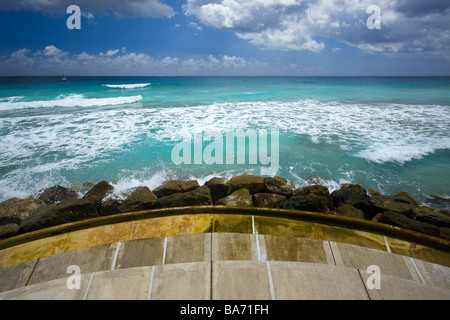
389, 134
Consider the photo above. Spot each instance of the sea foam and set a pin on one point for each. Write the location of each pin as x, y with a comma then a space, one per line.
127, 86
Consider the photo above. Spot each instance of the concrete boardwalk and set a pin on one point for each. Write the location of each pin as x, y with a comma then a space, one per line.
224, 253
226, 266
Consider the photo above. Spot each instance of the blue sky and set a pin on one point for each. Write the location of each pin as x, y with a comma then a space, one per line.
226, 37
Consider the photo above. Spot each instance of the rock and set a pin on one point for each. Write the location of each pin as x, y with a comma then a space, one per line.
68, 211
198, 197
15, 210
310, 202
374, 192
432, 216
278, 185
8, 230
406, 194
254, 184
268, 200
218, 188
97, 193
140, 198
175, 186
355, 195
86, 186
57, 194
349, 211
400, 220
239, 198
398, 204
316, 190
444, 233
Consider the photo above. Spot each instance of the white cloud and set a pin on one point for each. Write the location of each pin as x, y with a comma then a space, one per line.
133, 8
54, 61
406, 26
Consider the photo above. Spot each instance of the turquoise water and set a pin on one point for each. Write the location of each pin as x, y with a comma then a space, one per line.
390, 134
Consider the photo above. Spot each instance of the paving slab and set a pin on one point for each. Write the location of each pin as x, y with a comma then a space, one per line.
16, 276
233, 246
90, 259
140, 253
316, 281
120, 284
240, 280
394, 288
182, 281
356, 257
434, 274
50, 290
188, 248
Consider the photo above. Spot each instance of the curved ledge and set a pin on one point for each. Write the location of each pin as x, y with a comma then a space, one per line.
322, 218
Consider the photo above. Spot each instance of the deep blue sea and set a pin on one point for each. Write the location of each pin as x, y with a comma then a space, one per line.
390, 134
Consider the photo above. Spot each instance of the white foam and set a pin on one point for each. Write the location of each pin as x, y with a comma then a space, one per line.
127, 86
72, 100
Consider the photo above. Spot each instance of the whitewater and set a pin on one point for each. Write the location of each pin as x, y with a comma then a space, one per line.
390, 134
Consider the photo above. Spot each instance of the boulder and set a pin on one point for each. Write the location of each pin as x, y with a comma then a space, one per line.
86, 186
68, 211
8, 230
198, 197
400, 220
175, 186
57, 194
218, 188
97, 193
278, 185
316, 190
140, 198
15, 210
239, 198
254, 184
349, 211
444, 233
406, 194
268, 200
400, 204
355, 195
310, 202
432, 216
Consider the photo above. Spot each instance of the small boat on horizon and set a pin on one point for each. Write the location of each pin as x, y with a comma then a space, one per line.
63, 78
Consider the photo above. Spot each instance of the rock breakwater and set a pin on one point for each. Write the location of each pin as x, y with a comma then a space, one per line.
59, 205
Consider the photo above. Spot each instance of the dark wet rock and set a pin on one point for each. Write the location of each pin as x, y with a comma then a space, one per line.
57, 194
310, 202
218, 188
137, 199
349, 211
15, 210
400, 204
268, 200
432, 216
8, 230
254, 184
86, 186
317, 190
278, 185
239, 198
68, 211
406, 194
97, 193
355, 195
175, 186
401, 220
198, 197
444, 233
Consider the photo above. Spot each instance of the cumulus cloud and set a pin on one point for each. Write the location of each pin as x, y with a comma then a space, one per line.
406, 26
131, 8
117, 62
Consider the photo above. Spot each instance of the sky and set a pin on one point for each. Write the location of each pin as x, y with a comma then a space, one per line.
226, 38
